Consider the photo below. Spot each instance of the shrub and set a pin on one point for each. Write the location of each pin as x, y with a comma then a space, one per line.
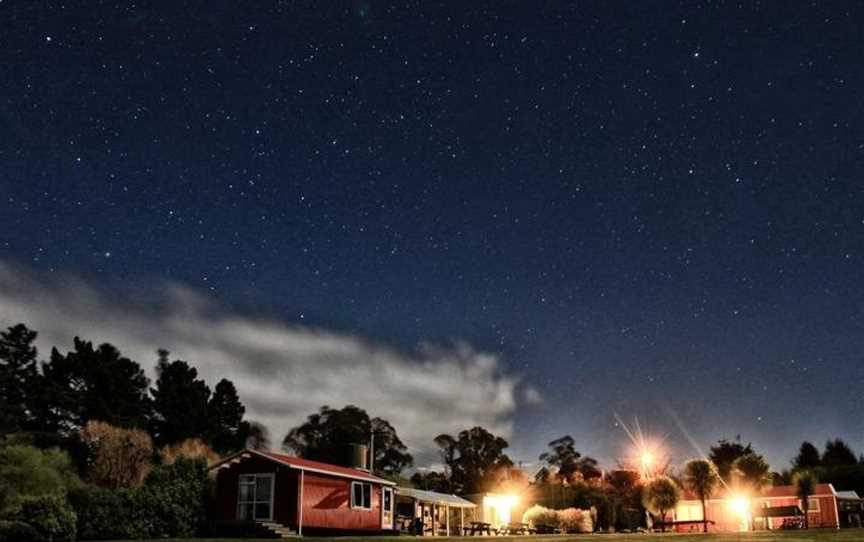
574, 520
120, 457
26, 471
192, 448
17, 531
171, 504
50, 515
540, 515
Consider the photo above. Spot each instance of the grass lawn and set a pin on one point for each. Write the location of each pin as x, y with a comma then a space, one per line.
845, 535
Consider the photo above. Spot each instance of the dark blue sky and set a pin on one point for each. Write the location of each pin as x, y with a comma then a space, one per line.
640, 206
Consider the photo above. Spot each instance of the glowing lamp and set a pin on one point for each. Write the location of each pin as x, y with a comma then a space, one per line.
740, 506
647, 459
502, 505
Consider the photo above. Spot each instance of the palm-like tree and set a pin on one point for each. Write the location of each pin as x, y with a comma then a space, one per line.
659, 496
701, 477
805, 485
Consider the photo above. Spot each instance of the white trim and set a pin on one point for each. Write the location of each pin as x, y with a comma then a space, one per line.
391, 510
370, 480
360, 506
300, 506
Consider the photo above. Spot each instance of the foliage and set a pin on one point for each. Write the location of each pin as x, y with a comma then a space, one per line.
574, 520
838, 454
751, 471
700, 477
26, 471
431, 481
661, 495
540, 515
724, 453
326, 434
120, 457
170, 504
227, 432
805, 485
188, 449
476, 459
257, 438
18, 378
808, 457
570, 466
180, 402
50, 515
17, 531
93, 384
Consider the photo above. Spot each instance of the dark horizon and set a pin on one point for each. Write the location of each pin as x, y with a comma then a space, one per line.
526, 218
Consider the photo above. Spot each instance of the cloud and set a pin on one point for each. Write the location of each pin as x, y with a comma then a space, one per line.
282, 371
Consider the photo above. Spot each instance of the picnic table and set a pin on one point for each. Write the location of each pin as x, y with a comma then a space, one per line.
480, 527
516, 528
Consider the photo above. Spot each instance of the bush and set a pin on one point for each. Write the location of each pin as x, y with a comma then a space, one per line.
17, 531
169, 505
26, 471
574, 520
540, 515
50, 515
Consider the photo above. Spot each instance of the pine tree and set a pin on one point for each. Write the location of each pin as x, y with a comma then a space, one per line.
227, 430
180, 402
18, 378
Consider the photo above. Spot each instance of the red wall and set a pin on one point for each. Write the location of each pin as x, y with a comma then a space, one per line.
327, 504
284, 491
728, 521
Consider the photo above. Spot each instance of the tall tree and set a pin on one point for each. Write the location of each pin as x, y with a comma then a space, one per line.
328, 434
227, 432
725, 452
838, 454
431, 481
659, 496
180, 402
478, 460
257, 438
569, 464
807, 458
700, 477
18, 378
805, 485
751, 471
90, 383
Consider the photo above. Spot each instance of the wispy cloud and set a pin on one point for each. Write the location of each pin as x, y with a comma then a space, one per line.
283, 371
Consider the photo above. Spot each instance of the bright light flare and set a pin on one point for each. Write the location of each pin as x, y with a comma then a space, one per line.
503, 506
740, 506
647, 459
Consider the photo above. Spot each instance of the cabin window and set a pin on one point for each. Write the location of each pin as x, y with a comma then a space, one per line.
814, 504
361, 495
255, 497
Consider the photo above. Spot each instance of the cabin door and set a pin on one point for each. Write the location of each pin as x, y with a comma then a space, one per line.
255, 497
386, 507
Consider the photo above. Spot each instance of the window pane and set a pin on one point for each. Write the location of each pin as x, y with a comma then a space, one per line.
244, 511
262, 489
367, 496
245, 492
357, 497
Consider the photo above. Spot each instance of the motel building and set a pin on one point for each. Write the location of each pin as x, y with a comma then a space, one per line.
777, 507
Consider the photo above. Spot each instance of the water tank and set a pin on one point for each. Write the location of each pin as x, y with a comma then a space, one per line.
359, 456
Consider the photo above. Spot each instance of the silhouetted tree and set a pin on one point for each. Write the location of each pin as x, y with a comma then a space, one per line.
751, 471
805, 485
258, 438
700, 477
659, 496
18, 378
227, 432
180, 402
92, 384
478, 461
569, 464
328, 434
724, 453
807, 458
431, 481
838, 454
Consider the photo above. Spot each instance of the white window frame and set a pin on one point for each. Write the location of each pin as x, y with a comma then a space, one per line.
812, 509
255, 501
360, 506
387, 513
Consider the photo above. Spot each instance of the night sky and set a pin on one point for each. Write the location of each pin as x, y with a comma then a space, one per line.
653, 209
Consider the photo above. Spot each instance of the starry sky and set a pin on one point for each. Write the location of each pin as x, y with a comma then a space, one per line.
646, 208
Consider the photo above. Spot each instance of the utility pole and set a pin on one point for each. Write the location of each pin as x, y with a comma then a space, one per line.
371, 451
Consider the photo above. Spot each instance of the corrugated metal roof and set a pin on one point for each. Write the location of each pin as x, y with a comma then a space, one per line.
304, 464
847, 495
434, 497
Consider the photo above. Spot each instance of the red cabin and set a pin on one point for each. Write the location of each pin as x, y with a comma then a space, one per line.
286, 495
